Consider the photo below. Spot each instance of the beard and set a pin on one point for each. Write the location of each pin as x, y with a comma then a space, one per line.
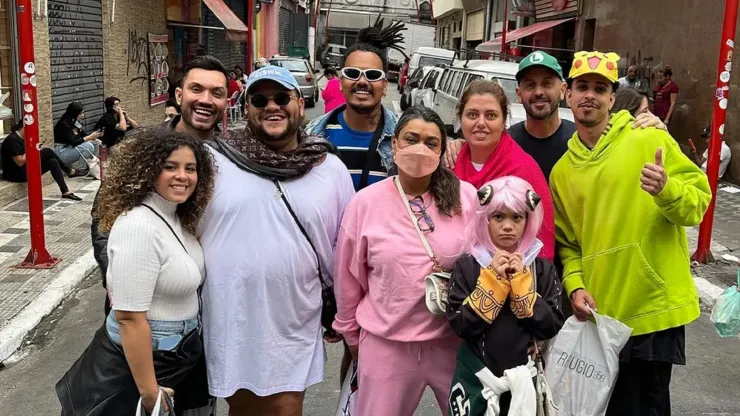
365, 107
254, 124
188, 116
540, 114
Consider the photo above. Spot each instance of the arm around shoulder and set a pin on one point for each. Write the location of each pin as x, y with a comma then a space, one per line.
686, 196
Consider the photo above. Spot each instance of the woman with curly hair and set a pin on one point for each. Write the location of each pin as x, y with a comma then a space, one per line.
155, 192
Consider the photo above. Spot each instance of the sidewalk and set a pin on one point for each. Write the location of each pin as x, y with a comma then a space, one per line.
27, 295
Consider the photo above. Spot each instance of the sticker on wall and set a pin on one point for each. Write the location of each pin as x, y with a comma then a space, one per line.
724, 76
33, 80
26, 97
28, 108
723, 103
24, 79
30, 67
728, 66
730, 43
28, 119
720, 93
722, 129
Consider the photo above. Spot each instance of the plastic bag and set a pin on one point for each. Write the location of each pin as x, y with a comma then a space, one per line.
158, 408
583, 363
348, 395
726, 311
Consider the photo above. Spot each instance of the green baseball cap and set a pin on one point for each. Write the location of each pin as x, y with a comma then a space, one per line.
539, 58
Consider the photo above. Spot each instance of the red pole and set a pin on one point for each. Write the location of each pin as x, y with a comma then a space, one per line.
38, 257
703, 253
250, 40
506, 28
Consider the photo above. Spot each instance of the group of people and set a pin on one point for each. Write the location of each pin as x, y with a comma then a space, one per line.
74, 151
227, 252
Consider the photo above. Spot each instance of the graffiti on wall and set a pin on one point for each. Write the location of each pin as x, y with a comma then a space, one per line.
137, 64
647, 68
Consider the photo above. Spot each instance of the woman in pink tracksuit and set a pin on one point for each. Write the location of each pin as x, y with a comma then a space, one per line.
332, 93
380, 266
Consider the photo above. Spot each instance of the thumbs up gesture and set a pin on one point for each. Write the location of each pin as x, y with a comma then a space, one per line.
654, 177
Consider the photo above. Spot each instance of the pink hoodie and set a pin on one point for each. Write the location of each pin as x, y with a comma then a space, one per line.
332, 95
380, 265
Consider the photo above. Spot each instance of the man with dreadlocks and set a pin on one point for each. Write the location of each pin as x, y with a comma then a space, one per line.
362, 128
268, 237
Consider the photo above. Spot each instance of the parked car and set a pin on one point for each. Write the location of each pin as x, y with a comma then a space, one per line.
412, 83
456, 78
332, 55
304, 73
427, 56
424, 94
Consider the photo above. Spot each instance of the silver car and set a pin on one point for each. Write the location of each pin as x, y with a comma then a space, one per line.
304, 73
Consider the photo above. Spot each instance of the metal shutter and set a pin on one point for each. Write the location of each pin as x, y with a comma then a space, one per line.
286, 18
76, 47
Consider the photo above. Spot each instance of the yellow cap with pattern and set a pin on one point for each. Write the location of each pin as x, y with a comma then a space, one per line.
604, 64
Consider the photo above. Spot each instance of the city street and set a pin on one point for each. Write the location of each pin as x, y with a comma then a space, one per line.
706, 386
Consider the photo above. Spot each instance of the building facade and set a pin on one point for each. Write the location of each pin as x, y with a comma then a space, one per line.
86, 50
685, 36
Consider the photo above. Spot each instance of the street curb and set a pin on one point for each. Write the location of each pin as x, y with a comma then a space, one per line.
708, 292
12, 336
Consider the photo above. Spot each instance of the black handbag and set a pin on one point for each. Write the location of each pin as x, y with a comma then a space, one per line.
100, 383
328, 300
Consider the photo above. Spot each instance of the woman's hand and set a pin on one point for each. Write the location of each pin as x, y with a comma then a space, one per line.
500, 262
148, 399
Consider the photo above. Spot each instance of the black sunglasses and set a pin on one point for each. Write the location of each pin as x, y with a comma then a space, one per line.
261, 100
354, 74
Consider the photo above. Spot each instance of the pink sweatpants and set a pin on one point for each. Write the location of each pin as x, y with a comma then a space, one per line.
392, 375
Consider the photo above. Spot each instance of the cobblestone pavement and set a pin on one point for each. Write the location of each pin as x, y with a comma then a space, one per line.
67, 226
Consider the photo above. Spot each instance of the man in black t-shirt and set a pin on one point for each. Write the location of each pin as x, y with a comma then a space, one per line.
115, 122
13, 156
541, 87
544, 135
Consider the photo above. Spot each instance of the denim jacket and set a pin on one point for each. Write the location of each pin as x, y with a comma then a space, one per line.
317, 127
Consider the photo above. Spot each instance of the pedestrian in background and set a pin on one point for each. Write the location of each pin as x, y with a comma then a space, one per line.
156, 190
71, 143
115, 122
665, 95
632, 100
381, 265
332, 93
13, 156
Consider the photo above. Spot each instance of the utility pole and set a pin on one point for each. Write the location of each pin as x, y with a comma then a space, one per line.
38, 257
703, 253
506, 28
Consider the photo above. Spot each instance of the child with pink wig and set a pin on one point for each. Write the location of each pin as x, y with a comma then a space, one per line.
503, 297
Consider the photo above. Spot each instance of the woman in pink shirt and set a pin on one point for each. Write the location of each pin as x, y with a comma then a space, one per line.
381, 265
332, 93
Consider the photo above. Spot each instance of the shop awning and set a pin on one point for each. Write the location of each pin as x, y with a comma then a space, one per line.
236, 30
494, 46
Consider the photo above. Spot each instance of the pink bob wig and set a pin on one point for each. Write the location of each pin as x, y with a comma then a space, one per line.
513, 193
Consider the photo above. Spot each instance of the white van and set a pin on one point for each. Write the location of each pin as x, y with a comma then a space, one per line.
427, 56
456, 78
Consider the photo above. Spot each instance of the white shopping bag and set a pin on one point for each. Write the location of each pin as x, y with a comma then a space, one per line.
158, 410
348, 395
583, 363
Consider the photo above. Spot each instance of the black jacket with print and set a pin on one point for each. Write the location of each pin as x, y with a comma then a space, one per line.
503, 344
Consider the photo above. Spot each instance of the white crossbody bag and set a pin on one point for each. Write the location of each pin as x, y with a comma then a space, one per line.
437, 283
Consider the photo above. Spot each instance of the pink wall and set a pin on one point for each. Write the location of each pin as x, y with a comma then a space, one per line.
271, 25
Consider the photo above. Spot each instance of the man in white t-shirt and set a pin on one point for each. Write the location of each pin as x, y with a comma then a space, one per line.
268, 238
724, 158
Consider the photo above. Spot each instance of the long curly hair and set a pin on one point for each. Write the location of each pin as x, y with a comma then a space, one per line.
135, 167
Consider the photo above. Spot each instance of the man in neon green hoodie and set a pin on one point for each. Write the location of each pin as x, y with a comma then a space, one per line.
622, 198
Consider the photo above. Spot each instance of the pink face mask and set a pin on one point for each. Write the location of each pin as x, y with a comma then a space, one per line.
417, 160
